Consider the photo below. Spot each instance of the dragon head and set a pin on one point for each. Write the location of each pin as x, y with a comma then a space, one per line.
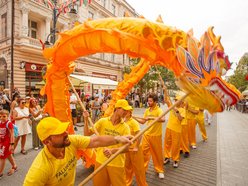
204, 63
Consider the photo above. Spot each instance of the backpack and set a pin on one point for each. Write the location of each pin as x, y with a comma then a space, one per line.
16, 133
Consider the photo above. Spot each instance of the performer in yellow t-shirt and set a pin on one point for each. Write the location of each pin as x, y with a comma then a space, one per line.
173, 136
114, 173
191, 112
201, 124
185, 133
134, 163
56, 163
152, 138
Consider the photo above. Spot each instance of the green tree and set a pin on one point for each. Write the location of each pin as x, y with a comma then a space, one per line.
151, 78
238, 78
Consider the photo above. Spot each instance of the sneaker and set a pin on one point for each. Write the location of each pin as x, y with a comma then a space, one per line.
161, 175
75, 128
36, 148
193, 146
205, 140
175, 164
166, 160
186, 154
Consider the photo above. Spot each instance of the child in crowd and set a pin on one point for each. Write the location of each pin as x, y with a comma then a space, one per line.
6, 143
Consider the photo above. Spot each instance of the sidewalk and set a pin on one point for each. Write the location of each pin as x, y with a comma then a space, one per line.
232, 148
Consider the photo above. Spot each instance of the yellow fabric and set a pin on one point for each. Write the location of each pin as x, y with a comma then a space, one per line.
185, 139
109, 176
152, 146
201, 124
134, 165
105, 127
156, 129
134, 127
47, 170
173, 122
192, 134
183, 114
189, 114
172, 144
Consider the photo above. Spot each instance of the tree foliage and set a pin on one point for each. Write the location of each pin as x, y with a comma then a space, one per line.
151, 78
238, 78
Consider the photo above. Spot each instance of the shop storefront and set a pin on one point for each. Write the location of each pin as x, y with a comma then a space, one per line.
33, 76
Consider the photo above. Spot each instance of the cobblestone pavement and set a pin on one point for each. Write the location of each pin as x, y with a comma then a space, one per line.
219, 161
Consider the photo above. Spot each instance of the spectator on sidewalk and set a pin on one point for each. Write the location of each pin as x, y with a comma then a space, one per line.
6, 98
95, 108
21, 116
36, 112
56, 162
6, 143
73, 103
207, 117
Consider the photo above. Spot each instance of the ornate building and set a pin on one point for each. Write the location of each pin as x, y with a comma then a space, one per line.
33, 22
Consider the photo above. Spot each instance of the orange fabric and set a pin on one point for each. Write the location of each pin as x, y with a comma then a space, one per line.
152, 146
134, 164
110, 176
185, 139
172, 144
192, 134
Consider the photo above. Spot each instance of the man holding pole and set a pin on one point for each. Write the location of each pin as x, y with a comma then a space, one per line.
113, 173
152, 139
56, 163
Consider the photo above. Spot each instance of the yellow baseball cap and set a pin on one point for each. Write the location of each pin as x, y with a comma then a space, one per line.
51, 126
122, 103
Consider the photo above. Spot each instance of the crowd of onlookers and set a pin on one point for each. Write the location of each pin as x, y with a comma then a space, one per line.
19, 116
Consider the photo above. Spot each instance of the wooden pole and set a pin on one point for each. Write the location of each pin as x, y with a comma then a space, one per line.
133, 139
82, 105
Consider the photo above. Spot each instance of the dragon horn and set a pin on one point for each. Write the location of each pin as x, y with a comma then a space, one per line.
215, 40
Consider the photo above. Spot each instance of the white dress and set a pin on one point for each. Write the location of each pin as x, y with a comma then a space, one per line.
22, 124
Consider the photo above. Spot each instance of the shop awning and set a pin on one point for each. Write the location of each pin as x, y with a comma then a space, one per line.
96, 81
79, 81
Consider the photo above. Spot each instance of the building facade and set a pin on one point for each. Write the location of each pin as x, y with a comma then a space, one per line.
33, 22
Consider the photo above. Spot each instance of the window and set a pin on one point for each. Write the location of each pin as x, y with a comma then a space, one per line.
90, 15
113, 9
4, 25
102, 56
104, 3
113, 58
32, 29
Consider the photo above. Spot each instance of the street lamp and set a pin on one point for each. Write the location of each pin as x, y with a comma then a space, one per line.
56, 13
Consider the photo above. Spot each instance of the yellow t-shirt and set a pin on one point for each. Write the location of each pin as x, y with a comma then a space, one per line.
189, 114
47, 170
174, 123
183, 114
134, 127
200, 115
156, 129
105, 127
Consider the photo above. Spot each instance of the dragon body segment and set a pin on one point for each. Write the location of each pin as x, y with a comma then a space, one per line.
194, 63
